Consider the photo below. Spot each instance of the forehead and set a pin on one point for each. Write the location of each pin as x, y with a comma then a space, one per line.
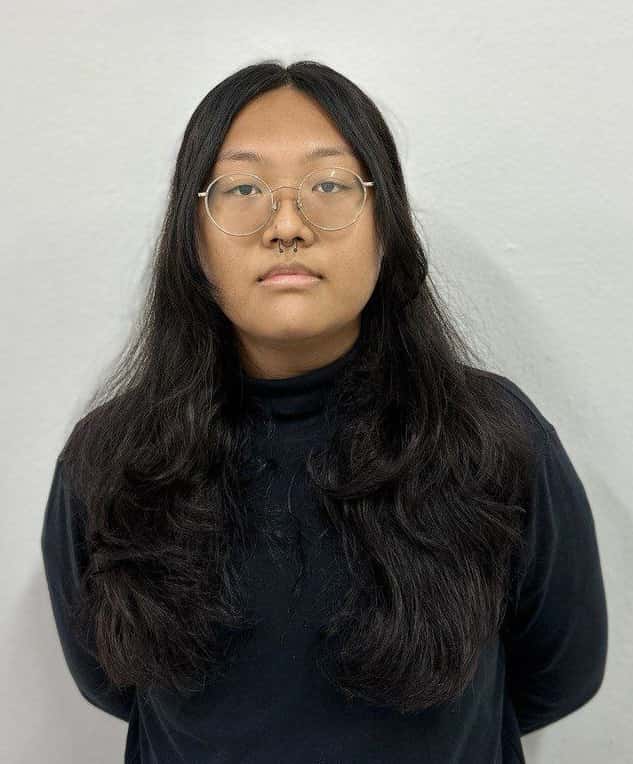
283, 127
273, 162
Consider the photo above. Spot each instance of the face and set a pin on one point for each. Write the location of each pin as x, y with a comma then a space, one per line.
284, 330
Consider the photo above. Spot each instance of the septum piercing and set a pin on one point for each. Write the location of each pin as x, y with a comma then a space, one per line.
294, 249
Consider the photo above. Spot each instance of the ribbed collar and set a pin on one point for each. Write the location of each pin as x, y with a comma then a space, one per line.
300, 395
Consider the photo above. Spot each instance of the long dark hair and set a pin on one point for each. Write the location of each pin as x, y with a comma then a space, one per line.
422, 482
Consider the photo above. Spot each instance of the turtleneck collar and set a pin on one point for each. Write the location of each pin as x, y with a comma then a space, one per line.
299, 395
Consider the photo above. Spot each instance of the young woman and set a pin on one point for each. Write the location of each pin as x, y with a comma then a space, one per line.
300, 523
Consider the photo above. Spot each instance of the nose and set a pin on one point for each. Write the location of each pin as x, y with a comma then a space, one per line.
292, 198
285, 205
287, 221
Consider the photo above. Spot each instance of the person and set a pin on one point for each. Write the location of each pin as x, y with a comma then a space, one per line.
302, 522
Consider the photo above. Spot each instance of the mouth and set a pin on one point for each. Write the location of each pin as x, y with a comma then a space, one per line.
288, 269
300, 271
290, 279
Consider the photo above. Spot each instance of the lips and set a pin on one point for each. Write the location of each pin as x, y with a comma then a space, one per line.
289, 269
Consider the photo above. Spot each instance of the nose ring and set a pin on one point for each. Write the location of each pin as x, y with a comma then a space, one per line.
294, 249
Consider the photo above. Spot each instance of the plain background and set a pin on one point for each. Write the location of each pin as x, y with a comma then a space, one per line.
514, 123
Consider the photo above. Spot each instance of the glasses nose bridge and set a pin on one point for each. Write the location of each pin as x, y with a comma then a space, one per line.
273, 191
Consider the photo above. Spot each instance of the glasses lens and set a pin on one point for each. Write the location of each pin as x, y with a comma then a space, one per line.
239, 204
330, 198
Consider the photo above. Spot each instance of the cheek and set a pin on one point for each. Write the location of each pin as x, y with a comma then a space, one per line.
223, 282
359, 264
205, 247
207, 269
352, 282
221, 268
231, 288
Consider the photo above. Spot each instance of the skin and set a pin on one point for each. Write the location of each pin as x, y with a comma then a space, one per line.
283, 332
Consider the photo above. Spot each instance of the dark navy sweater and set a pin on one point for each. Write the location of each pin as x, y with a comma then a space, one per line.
274, 707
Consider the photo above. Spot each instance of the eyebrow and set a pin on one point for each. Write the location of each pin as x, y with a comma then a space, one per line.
245, 155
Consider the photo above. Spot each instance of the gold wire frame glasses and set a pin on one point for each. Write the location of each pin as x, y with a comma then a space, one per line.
234, 210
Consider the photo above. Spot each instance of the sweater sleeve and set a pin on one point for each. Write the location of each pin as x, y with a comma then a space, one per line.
556, 641
63, 552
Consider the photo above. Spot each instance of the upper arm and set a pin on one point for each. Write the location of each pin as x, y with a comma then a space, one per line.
64, 556
556, 631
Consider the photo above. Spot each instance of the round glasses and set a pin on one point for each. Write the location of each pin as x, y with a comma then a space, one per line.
242, 203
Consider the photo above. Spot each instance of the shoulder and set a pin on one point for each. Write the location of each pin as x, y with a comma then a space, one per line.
518, 409
64, 499
516, 397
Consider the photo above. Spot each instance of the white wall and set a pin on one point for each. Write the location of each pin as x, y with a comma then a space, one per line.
514, 123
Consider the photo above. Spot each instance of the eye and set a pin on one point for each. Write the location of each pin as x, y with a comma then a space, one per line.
241, 187
329, 183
